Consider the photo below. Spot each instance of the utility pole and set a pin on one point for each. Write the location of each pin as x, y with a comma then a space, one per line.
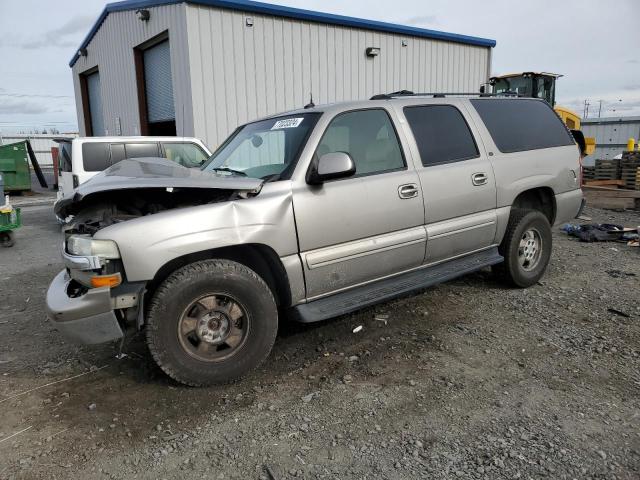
585, 111
599, 108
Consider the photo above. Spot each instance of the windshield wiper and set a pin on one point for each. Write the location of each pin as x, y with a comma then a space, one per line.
231, 170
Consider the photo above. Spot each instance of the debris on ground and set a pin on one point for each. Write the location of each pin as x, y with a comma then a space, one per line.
470, 380
601, 232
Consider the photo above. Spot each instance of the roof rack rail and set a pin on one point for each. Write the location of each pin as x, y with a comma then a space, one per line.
408, 93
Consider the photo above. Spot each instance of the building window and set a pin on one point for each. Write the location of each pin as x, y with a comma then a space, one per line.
92, 103
155, 87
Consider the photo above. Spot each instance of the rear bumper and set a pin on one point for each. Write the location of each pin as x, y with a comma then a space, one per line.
568, 205
87, 319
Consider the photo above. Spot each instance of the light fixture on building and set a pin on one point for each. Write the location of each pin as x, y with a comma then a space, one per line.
405, 43
248, 21
82, 52
143, 14
373, 51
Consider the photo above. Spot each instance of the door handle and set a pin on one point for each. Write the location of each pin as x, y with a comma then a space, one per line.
408, 190
479, 179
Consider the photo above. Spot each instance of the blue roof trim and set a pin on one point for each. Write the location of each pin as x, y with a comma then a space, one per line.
288, 12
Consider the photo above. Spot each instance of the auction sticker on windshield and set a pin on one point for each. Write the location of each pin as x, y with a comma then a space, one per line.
287, 123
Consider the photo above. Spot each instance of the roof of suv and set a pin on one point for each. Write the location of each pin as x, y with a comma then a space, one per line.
400, 99
358, 104
141, 139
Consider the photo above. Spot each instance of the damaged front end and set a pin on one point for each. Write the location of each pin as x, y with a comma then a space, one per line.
92, 301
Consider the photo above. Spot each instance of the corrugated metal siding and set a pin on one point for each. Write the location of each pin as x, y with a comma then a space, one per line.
611, 136
612, 133
111, 49
240, 73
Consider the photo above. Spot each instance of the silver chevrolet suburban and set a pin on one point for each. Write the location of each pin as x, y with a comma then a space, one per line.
311, 214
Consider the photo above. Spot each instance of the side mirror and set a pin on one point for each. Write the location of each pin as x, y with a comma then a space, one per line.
330, 166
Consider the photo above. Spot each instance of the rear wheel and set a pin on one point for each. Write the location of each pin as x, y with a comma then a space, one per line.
526, 248
211, 322
6, 239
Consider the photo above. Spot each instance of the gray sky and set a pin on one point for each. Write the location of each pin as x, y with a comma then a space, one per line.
594, 44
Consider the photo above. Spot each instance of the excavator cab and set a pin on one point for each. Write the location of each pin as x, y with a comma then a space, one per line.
527, 84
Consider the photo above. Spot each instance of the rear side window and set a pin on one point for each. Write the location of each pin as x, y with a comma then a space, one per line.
520, 125
140, 150
95, 156
186, 154
117, 153
442, 134
64, 156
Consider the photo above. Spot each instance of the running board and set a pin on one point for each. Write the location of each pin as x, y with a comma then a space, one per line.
387, 289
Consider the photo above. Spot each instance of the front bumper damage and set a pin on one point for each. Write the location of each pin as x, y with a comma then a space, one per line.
91, 315
88, 318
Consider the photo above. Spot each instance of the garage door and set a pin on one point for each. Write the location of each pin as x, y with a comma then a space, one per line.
158, 85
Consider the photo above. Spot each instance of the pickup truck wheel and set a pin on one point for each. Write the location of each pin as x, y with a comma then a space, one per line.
211, 322
526, 248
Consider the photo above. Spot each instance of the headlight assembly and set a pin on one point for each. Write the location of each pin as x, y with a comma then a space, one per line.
85, 246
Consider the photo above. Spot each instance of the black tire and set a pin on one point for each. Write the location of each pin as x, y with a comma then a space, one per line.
175, 352
512, 271
7, 239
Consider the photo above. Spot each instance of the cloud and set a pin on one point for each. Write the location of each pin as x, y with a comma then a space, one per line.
13, 106
30, 95
422, 20
632, 60
61, 37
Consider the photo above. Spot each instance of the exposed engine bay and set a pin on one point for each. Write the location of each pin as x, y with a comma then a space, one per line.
144, 186
107, 208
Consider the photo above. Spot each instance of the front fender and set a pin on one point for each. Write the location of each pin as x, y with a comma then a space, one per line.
147, 243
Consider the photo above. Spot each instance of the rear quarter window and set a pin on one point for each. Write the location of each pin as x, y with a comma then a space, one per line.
95, 156
141, 150
64, 157
518, 125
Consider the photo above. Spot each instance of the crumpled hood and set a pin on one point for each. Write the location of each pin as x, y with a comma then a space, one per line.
155, 173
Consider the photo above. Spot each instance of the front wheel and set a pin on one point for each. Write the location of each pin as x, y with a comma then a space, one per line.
211, 322
526, 248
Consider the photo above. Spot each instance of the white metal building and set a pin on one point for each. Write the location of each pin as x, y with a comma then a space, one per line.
41, 144
611, 134
202, 67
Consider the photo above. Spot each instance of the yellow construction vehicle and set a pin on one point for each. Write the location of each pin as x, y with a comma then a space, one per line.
542, 85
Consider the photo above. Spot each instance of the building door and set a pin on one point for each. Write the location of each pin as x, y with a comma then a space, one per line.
159, 117
92, 99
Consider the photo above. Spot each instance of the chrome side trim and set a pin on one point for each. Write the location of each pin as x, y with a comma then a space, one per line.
460, 230
359, 248
461, 224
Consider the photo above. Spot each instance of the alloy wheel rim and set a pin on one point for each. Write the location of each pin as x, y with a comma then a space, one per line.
530, 249
213, 328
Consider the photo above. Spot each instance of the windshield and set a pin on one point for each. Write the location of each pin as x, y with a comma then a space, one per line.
546, 89
519, 85
267, 149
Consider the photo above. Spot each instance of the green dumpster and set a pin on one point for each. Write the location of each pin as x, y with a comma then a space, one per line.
14, 166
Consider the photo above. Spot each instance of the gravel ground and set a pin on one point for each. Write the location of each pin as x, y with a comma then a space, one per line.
466, 380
